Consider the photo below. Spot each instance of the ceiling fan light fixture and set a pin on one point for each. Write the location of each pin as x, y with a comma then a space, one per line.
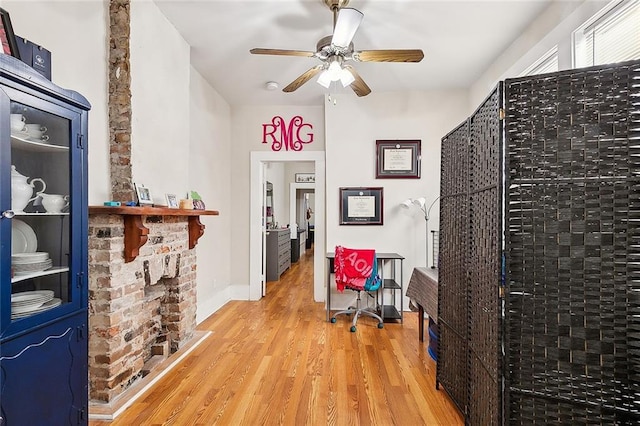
335, 70
346, 78
324, 79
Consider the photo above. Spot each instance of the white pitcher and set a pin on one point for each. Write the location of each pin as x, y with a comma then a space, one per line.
54, 203
22, 190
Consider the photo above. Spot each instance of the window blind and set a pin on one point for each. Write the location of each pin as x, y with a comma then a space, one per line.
613, 36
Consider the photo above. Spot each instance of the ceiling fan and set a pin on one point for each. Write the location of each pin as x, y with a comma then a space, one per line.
336, 50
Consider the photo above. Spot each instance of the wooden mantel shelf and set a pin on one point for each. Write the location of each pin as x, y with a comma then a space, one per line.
135, 233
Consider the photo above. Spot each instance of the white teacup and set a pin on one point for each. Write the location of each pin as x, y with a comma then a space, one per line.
17, 122
42, 138
54, 203
36, 131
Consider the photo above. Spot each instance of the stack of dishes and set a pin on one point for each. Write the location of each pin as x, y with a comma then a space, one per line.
27, 263
23, 238
32, 302
22, 134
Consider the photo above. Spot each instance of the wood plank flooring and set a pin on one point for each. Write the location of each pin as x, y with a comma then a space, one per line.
278, 362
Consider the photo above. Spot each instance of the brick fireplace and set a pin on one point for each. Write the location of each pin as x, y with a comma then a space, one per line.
140, 305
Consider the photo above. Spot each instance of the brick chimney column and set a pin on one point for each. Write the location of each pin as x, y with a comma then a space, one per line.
120, 101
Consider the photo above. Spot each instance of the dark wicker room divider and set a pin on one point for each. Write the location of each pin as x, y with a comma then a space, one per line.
485, 248
573, 247
453, 326
569, 349
468, 298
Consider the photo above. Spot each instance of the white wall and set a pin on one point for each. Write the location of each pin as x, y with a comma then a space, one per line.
160, 133
352, 128
76, 33
209, 170
246, 130
181, 141
553, 27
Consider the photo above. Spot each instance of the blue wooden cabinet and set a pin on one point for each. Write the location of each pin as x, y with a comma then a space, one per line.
43, 250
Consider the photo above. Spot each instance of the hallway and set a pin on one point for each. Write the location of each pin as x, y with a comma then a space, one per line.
278, 362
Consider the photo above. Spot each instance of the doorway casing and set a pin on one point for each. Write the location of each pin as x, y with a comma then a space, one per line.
258, 158
293, 188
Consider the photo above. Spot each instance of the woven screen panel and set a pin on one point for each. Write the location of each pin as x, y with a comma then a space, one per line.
573, 247
485, 149
454, 162
484, 264
526, 410
451, 369
452, 274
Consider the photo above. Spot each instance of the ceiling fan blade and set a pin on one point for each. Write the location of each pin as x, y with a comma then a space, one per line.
391, 55
358, 86
346, 26
282, 52
308, 75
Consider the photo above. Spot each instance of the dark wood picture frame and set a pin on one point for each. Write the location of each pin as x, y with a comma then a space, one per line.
7, 37
361, 206
305, 177
399, 159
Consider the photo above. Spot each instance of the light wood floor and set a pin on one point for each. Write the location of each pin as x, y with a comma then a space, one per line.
278, 362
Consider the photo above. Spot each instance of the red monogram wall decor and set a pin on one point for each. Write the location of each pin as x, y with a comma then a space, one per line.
291, 136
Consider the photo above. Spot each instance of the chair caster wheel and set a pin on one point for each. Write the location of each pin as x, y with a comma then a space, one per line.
333, 320
380, 325
353, 329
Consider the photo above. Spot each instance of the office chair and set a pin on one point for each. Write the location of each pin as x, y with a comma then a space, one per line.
357, 270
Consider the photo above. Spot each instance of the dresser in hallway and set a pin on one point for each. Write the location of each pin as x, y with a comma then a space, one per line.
278, 250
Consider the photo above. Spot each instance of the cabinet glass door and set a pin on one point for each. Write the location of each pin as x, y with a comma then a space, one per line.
42, 184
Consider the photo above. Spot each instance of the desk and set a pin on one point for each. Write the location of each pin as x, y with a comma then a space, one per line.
423, 290
388, 311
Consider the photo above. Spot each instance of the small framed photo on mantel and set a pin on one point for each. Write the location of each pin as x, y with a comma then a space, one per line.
399, 159
172, 200
144, 195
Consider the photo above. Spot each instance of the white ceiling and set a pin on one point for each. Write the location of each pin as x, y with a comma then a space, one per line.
460, 39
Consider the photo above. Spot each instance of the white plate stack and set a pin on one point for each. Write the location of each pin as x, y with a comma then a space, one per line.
32, 302
27, 263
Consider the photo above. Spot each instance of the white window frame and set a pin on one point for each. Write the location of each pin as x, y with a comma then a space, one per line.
606, 16
541, 66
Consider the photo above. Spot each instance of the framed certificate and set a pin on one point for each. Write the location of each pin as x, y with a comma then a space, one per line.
361, 206
398, 159
7, 37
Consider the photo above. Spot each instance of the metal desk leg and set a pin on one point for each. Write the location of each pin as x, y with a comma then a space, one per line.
381, 268
401, 293
420, 322
328, 302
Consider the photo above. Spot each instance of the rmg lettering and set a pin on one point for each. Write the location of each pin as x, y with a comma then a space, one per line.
285, 138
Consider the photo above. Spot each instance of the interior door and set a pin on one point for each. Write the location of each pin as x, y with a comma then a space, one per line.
263, 272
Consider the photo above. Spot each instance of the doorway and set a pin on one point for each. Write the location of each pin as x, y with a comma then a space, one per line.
258, 160
302, 208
